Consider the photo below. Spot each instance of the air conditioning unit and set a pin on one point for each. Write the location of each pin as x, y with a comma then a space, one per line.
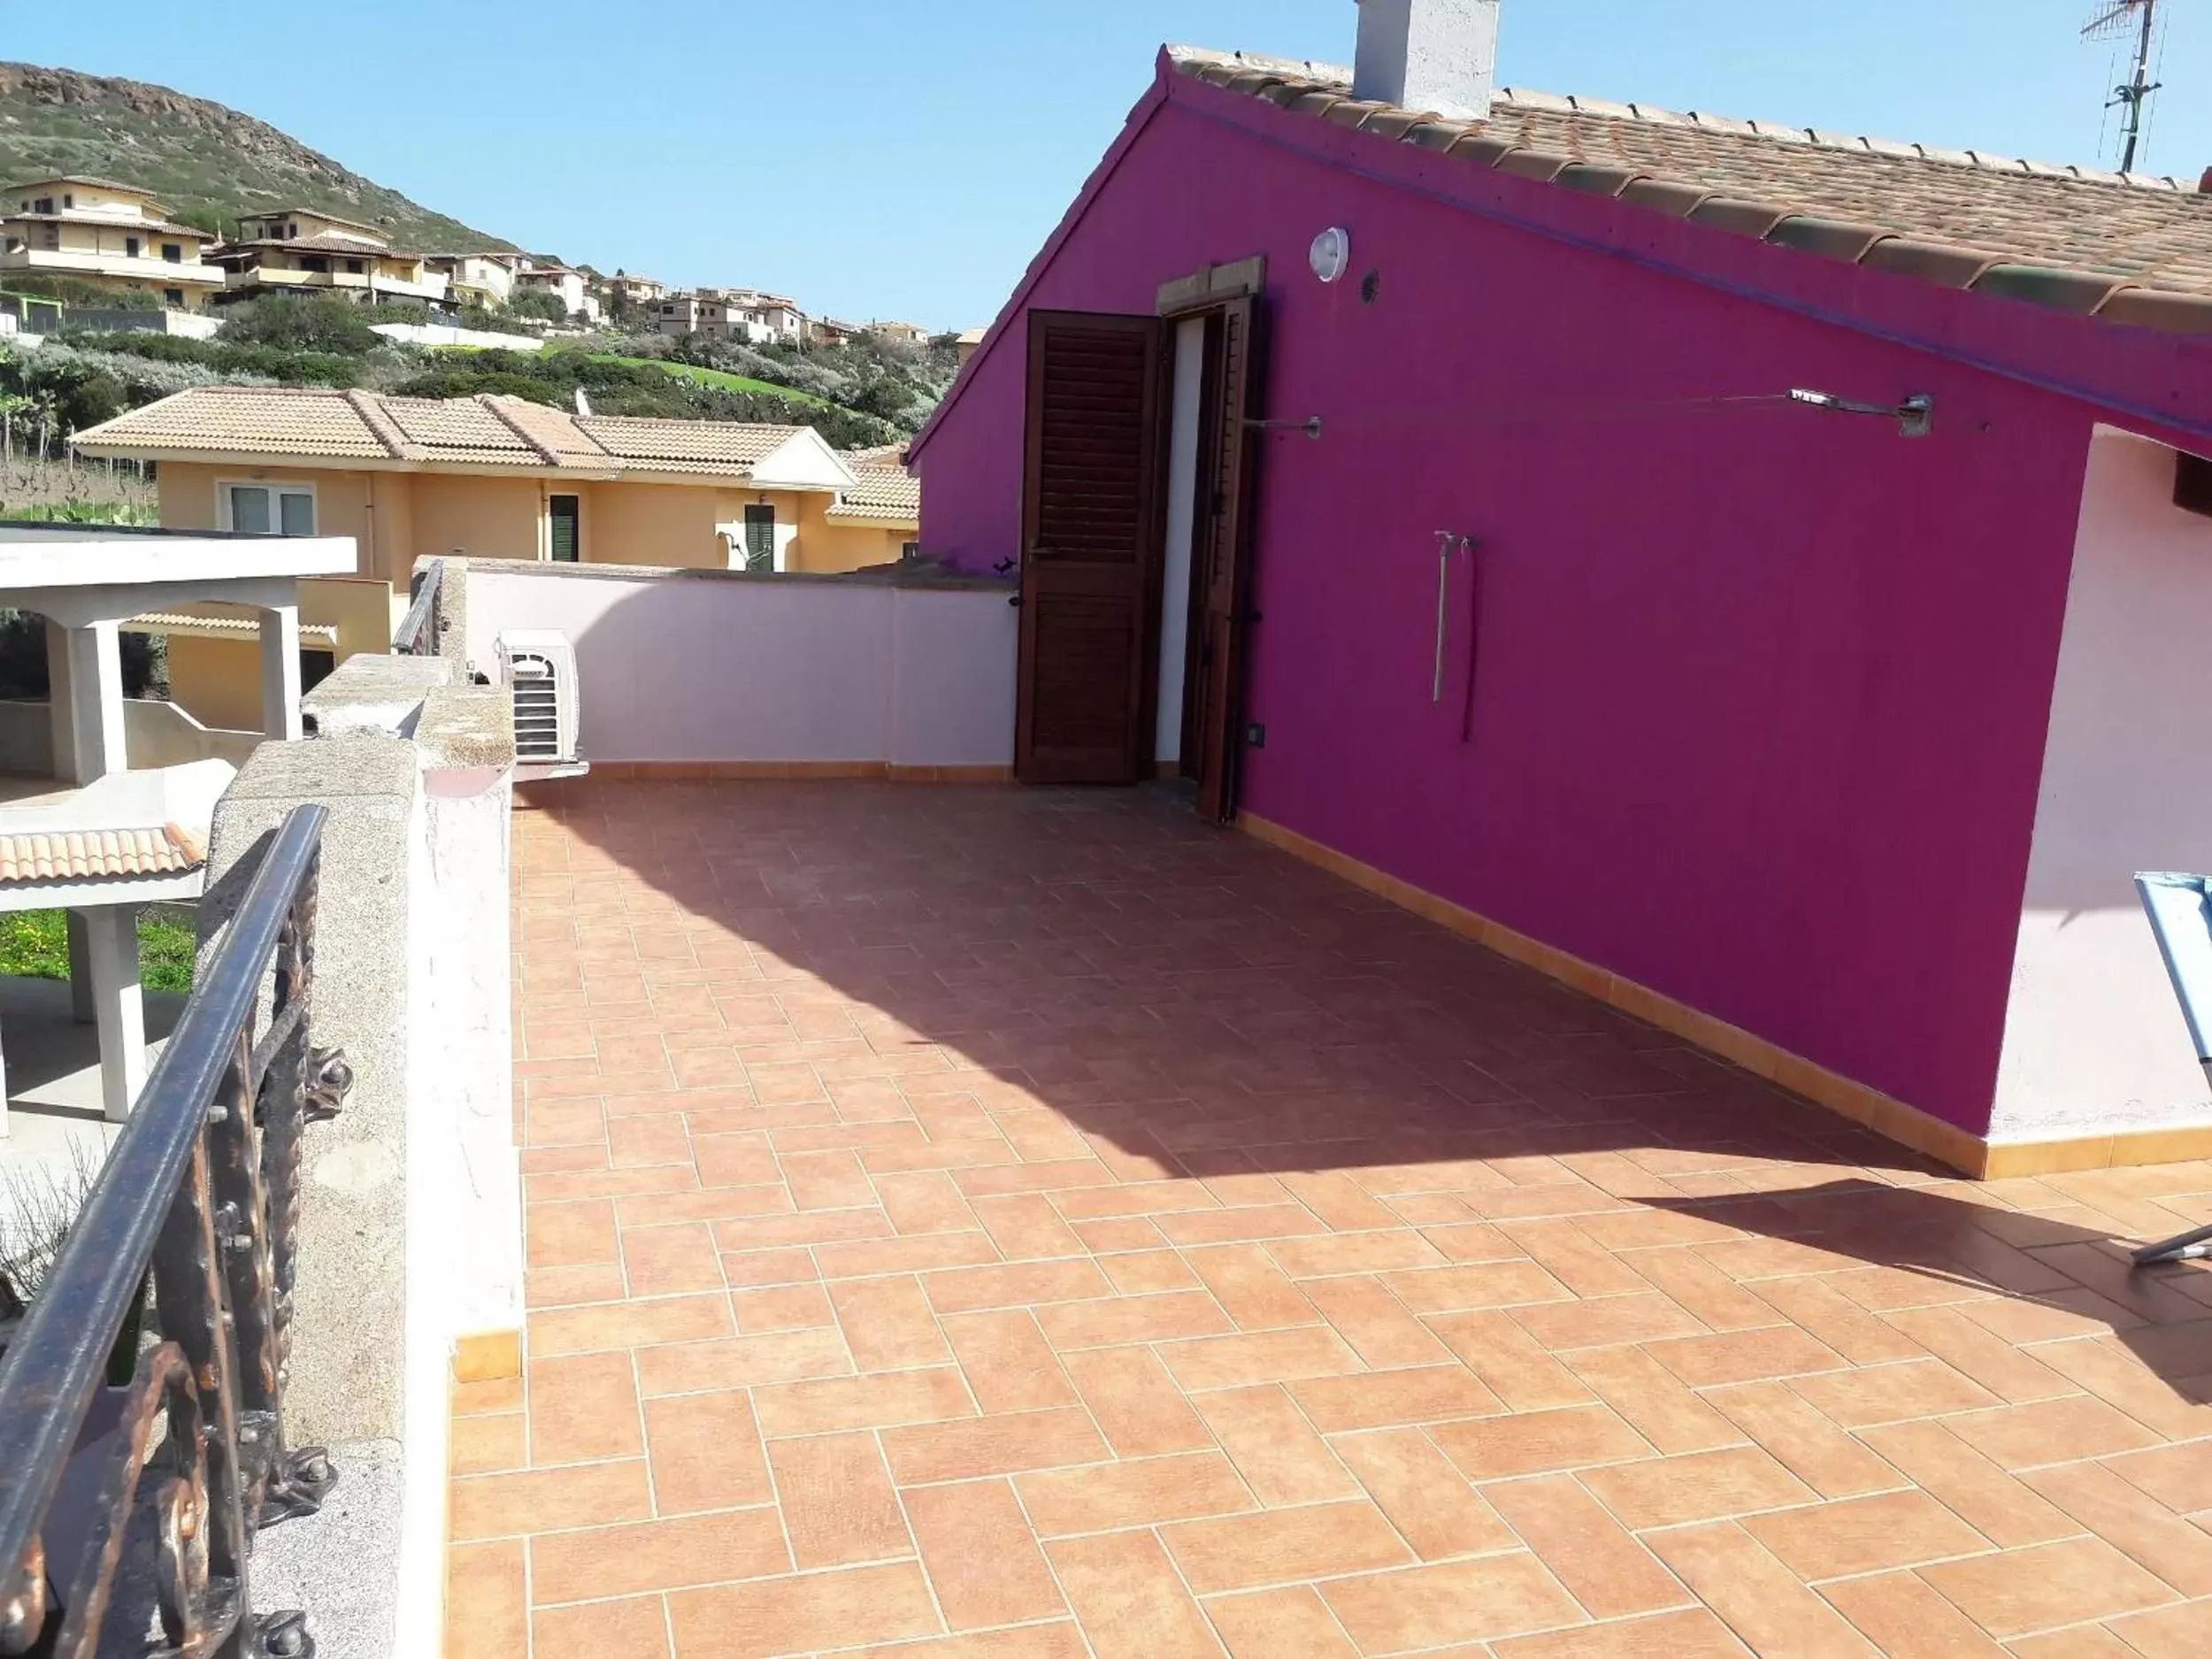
539, 666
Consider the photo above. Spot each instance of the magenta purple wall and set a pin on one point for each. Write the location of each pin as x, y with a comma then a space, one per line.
1762, 693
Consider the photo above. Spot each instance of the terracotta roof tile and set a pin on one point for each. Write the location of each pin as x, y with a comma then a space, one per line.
2130, 248
317, 424
80, 855
880, 494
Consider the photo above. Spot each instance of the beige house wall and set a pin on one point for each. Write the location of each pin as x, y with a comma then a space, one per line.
396, 517
483, 518
827, 548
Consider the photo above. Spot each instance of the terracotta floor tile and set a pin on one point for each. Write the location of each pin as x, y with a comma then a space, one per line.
705, 1453
2174, 1632
1279, 1624
782, 1307
489, 1445
602, 1561
1601, 1323
812, 1611
1691, 1635
1241, 1552
1804, 1440
1135, 1404
2022, 1591
2003, 1509
742, 1362
1757, 1597
2140, 1527
1274, 1447
1002, 1445
488, 1602
638, 1324
887, 1323
887, 1400
1129, 1598
1250, 1287
1481, 1600
1007, 1362
1893, 1393
583, 1409
1509, 1362
1538, 1442
1607, 1571
1702, 1486
635, 1626
1022, 1284
1904, 1619
1144, 1493
1666, 1413
863, 1124
1429, 1393
981, 1555
1232, 1361
1113, 1321
1376, 1325
2179, 1477
2050, 1432
1863, 1535
517, 1505
837, 1502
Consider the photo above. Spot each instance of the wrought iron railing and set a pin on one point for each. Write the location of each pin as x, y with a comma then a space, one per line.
418, 631
199, 1199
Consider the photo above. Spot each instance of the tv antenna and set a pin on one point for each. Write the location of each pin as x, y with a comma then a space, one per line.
2115, 19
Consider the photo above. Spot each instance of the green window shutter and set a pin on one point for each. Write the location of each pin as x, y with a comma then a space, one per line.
565, 514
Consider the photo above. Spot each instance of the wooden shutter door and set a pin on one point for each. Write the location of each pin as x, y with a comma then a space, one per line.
1226, 570
1090, 531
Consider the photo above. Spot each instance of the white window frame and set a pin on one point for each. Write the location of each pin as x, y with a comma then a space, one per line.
276, 488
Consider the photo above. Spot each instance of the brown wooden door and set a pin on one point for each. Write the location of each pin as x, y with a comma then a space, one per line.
1223, 565
1091, 531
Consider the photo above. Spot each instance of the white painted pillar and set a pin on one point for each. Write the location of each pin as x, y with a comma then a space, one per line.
95, 703
111, 936
281, 672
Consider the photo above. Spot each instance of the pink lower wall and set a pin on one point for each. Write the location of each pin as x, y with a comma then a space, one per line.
1760, 695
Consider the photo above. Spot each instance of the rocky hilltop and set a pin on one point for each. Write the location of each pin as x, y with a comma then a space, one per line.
207, 162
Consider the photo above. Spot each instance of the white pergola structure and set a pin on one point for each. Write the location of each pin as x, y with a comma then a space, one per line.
100, 841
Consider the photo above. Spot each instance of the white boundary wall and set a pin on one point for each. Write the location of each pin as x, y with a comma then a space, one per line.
707, 667
2094, 1040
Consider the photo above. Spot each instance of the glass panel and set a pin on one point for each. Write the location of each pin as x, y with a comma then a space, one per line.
299, 507
250, 509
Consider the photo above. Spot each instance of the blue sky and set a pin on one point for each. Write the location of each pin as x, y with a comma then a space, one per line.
878, 158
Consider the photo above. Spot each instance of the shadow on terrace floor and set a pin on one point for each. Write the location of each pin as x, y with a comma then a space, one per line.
1195, 1005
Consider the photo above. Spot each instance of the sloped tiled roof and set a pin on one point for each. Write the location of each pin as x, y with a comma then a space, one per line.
316, 424
105, 221
2125, 247
352, 247
78, 855
880, 494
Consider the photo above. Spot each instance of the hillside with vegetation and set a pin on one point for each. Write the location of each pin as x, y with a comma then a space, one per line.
859, 396
207, 162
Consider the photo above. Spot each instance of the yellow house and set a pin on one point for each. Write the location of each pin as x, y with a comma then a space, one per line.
301, 251
114, 236
493, 478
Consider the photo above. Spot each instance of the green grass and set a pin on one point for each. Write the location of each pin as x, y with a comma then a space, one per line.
721, 377
34, 945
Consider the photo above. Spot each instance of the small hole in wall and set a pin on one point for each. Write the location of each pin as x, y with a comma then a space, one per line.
1370, 285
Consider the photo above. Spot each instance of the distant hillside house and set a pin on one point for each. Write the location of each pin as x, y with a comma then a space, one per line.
636, 291
113, 236
487, 280
573, 287
500, 478
827, 331
906, 334
303, 250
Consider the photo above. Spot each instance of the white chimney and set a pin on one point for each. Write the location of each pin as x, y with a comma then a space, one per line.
1440, 55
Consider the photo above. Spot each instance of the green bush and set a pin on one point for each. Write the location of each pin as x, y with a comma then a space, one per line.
542, 303
290, 322
229, 356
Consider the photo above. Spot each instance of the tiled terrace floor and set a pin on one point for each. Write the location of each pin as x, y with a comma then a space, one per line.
1028, 1224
